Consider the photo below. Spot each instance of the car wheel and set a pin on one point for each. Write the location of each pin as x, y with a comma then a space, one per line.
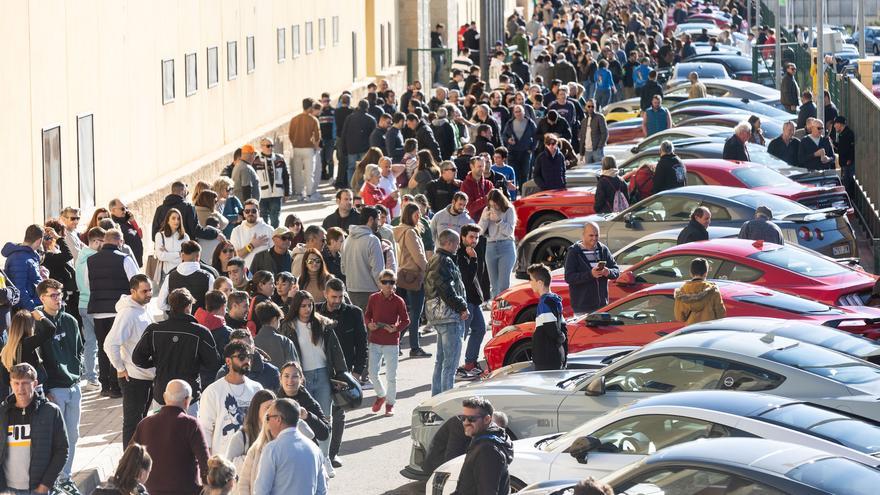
516, 484
528, 314
552, 253
544, 218
519, 353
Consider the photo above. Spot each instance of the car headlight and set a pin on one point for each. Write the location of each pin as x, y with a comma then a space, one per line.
507, 329
502, 304
430, 418
440, 480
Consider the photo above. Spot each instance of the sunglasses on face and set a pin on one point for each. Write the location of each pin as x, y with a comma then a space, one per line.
469, 419
73, 218
250, 210
387, 282
314, 261
229, 250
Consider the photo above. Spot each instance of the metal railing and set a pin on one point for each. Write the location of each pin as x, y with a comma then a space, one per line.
791, 52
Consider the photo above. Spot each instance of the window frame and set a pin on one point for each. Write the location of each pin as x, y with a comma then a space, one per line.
231, 60
322, 33
281, 44
295, 45
334, 26
213, 57
190, 62
85, 151
52, 165
168, 90
309, 37
250, 54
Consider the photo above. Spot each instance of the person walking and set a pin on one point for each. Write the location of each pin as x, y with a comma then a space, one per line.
175, 442
589, 265
762, 227
454, 216
472, 265
697, 228
593, 134
36, 450
446, 309
549, 171
550, 340
189, 274
698, 300
788, 89
305, 138
485, 467
291, 463
518, 136
670, 172
386, 316
362, 258
354, 140
136, 383
274, 181
94, 241
413, 263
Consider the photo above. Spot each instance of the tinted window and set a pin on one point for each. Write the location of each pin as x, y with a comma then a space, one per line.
760, 177
642, 251
662, 374
800, 261
670, 269
749, 379
758, 154
691, 481
836, 475
644, 310
855, 434
823, 362
791, 304
779, 206
695, 180
667, 208
738, 272
643, 435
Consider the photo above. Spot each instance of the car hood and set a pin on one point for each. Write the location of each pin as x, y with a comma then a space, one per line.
538, 380
569, 228
557, 194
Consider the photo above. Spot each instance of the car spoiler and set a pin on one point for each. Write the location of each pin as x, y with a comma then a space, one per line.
812, 216
817, 177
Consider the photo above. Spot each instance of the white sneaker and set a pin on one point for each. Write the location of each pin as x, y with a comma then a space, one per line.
91, 387
328, 467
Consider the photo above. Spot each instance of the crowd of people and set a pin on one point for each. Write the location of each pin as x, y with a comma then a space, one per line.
228, 339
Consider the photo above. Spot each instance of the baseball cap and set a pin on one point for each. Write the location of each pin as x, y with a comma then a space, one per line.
280, 231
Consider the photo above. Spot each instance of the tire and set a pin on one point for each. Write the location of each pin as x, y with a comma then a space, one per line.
519, 353
542, 219
552, 253
516, 484
528, 314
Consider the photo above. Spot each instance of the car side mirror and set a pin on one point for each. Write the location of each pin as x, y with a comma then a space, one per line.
596, 387
629, 220
582, 446
634, 150
602, 319
626, 278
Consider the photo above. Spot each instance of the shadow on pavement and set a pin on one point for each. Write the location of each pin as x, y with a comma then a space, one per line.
361, 444
414, 488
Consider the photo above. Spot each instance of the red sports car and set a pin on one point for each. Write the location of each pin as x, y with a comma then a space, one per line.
648, 314
544, 207
625, 131
787, 268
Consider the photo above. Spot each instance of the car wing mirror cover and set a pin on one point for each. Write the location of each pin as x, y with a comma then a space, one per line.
626, 278
582, 446
596, 386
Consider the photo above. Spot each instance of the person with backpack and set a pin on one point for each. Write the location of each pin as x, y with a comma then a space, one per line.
611, 190
550, 340
641, 184
670, 172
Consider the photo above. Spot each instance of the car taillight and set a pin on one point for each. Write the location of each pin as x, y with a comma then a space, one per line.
805, 234
819, 235
745, 77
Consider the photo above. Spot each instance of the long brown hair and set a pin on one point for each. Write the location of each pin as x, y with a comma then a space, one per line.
134, 460
305, 278
426, 162
252, 420
215, 258
94, 221
497, 197
315, 325
166, 226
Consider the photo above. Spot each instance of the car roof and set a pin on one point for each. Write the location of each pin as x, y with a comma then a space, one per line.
769, 455
742, 344
718, 164
725, 192
714, 232
730, 247
739, 403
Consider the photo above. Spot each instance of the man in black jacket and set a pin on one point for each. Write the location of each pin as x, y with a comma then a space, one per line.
589, 265
345, 214
177, 199
670, 172
651, 88
377, 137
341, 114
735, 146
815, 151
485, 467
352, 336
788, 90
424, 135
36, 449
845, 145
131, 231
444, 133
354, 141
807, 110
394, 138
697, 228
472, 265
439, 191
178, 348
785, 146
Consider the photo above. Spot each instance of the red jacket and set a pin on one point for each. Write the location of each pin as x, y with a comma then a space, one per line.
476, 193
374, 195
391, 311
180, 454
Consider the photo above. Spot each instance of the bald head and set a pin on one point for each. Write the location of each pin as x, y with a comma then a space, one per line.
177, 393
590, 235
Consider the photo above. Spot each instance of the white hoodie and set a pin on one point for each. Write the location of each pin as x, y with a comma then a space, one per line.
131, 321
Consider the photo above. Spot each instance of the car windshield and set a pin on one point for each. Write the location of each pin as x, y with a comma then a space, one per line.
826, 363
799, 261
758, 154
838, 475
779, 206
760, 177
790, 304
855, 434
706, 70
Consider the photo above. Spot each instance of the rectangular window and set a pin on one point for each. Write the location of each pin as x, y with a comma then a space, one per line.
354, 55
382, 46
231, 60
251, 56
282, 44
213, 67
85, 151
52, 172
322, 34
335, 28
310, 41
390, 45
167, 81
192, 74
294, 41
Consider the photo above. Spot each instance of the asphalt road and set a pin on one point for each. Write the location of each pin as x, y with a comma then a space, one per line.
375, 448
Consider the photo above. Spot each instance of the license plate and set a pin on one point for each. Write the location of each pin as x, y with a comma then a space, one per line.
839, 250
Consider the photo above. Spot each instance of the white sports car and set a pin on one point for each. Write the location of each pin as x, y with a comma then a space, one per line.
628, 434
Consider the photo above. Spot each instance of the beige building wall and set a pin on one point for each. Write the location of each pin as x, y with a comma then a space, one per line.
65, 59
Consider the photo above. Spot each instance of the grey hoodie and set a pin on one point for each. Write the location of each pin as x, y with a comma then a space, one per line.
444, 219
362, 259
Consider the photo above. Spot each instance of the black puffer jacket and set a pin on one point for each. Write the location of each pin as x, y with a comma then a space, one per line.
484, 471
355, 135
48, 441
670, 173
351, 334
693, 232
427, 141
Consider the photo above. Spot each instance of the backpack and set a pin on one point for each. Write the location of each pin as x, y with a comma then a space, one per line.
620, 202
680, 174
635, 193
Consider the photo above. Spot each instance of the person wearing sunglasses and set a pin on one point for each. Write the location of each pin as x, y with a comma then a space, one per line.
485, 468
253, 235
386, 316
277, 259
549, 170
70, 217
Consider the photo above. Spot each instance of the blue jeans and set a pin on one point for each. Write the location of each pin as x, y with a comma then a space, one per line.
449, 340
352, 163
500, 258
603, 98
69, 400
438, 68
415, 301
388, 390
270, 209
594, 156
589, 89
90, 354
475, 326
318, 384
521, 161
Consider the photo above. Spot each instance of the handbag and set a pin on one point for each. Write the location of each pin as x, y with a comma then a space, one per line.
153, 269
347, 392
410, 279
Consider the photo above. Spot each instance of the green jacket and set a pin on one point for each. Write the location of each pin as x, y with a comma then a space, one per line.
63, 353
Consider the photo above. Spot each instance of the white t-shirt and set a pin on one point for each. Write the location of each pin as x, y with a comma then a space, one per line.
222, 409
243, 234
311, 356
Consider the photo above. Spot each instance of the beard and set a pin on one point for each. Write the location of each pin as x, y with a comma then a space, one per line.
241, 370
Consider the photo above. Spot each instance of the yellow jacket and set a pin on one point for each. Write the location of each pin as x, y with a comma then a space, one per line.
697, 301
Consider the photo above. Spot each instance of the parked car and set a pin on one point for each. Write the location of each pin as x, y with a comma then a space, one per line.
630, 108
826, 231
544, 207
624, 151
729, 88
739, 67
643, 316
629, 434
741, 103
706, 70
546, 402
770, 127
872, 39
